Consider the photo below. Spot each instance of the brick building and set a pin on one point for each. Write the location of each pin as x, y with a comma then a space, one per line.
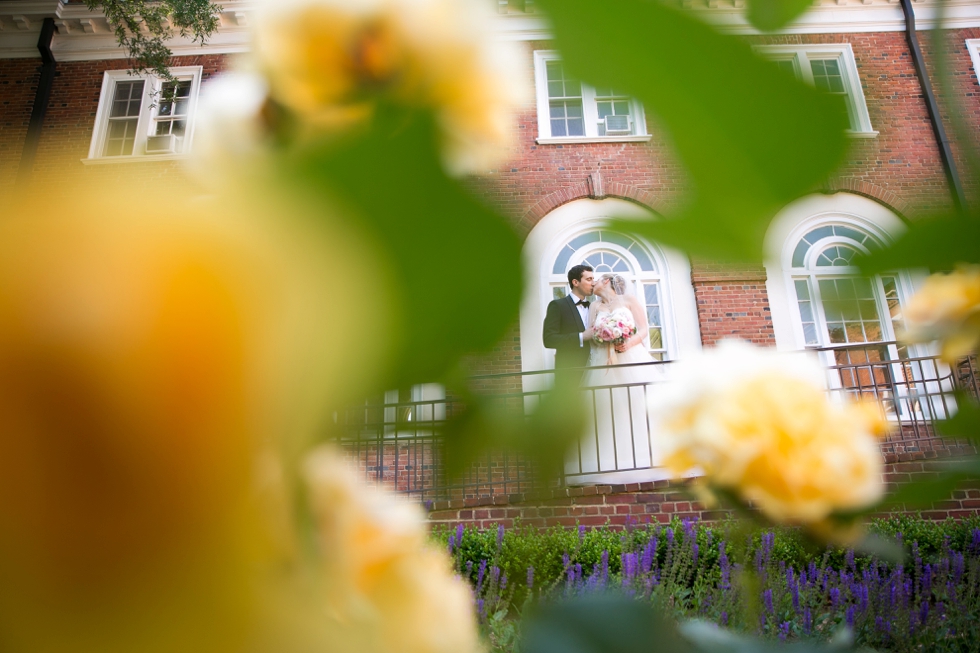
583, 154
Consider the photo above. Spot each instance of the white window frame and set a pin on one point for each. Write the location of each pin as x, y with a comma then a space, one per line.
148, 111
973, 47
801, 55
589, 111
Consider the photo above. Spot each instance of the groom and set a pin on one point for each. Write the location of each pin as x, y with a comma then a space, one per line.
565, 322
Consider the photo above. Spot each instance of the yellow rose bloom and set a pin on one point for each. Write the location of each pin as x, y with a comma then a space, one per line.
761, 425
389, 589
146, 358
331, 61
947, 308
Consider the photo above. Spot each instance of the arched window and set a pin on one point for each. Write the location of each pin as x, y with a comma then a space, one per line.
836, 305
608, 251
579, 231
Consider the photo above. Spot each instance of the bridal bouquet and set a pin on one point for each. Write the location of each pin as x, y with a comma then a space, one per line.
613, 328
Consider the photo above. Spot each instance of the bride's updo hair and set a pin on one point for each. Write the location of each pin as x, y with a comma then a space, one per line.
617, 282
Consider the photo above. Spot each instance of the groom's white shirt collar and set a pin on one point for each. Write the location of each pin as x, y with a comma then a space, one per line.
583, 311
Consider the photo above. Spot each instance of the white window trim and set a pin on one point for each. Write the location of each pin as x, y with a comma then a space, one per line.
541, 58
147, 112
795, 221
800, 55
973, 46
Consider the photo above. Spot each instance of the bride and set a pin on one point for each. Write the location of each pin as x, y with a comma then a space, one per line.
618, 433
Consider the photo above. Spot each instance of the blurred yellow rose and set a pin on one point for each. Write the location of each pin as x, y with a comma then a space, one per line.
760, 424
947, 308
332, 61
146, 357
390, 590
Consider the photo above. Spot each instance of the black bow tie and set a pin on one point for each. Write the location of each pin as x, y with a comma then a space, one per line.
583, 302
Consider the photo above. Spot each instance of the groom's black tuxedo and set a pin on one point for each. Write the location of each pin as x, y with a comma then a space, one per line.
562, 324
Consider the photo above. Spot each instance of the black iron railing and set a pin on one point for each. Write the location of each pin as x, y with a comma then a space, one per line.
397, 440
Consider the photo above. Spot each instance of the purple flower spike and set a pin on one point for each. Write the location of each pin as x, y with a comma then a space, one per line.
784, 631
724, 618
530, 578
849, 616
500, 536
480, 574
459, 534
767, 599
581, 533
807, 621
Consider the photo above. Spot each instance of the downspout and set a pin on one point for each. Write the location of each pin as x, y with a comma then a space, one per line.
41, 97
945, 152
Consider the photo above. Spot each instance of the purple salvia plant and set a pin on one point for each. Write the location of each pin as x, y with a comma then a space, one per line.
581, 533
723, 621
649, 555
500, 536
784, 631
530, 578
726, 569
459, 533
480, 574
834, 597
605, 568
807, 621
849, 616
767, 601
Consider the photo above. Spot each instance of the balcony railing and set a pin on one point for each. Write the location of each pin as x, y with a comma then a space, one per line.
399, 443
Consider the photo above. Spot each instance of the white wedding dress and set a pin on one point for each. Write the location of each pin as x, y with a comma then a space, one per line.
617, 438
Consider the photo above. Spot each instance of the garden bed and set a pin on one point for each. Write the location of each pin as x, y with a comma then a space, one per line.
769, 583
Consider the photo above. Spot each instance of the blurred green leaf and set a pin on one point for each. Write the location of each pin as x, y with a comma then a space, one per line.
751, 136
769, 15
455, 266
501, 423
965, 423
601, 623
937, 244
708, 637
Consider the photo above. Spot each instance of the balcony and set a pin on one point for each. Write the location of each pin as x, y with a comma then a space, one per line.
398, 444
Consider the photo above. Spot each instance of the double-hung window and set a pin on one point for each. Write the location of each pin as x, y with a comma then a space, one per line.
145, 116
571, 111
832, 69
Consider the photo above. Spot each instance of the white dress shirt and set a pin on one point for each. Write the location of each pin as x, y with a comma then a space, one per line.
584, 312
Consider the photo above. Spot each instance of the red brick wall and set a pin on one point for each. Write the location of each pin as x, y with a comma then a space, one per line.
18, 84
661, 501
965, 95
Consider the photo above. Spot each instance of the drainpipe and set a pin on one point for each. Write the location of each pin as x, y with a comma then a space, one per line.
41, 97
945, 152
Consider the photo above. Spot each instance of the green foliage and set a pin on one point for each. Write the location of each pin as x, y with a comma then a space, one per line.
142, 27
428, 229
937, 244
685, 583
751, 137
600, 623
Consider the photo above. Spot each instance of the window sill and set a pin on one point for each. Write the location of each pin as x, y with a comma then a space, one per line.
134, 158
593, 139
853, 134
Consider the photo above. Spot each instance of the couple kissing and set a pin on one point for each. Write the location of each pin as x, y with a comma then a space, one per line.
610, 330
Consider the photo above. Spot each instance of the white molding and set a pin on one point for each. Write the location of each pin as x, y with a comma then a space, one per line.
827, 17
553, 230
135, 158
589, 139
791, 224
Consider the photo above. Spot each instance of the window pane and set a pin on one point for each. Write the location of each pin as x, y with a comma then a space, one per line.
120, 137
126, 99
558, 292
827, 75
558, 128
576, 127
556, 89
650, 291
604, 109
621, 108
